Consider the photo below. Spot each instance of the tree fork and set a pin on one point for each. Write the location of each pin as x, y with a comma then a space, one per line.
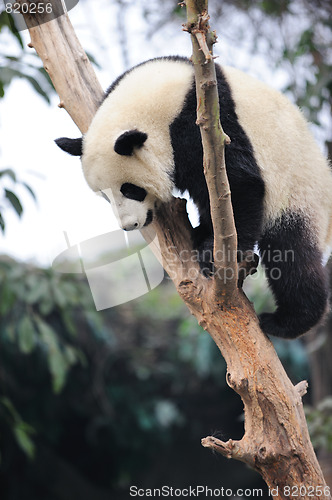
276, 441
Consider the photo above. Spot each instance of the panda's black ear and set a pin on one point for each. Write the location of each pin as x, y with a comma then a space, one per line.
126, 142
71, 146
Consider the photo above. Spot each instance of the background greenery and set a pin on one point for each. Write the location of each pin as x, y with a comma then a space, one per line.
94, 402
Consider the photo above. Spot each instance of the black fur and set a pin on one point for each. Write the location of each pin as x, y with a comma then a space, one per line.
71, 146
247, 187
293, 267
128, 141
133, 192
149, 218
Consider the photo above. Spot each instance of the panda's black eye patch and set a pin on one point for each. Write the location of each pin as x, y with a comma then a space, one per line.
133, 192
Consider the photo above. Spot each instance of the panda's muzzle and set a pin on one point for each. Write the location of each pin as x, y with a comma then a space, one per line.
135, 225
130, 227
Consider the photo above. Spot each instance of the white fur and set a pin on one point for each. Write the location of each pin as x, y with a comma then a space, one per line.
130, 214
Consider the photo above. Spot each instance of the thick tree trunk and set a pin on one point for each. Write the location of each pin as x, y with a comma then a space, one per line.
319, 345
276, 441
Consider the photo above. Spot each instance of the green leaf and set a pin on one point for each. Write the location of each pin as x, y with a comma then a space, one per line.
38, 88
48, 335
10, 333
10, 407
59, 370
2, 223
7, 20
69, 322
21, 432
57, 363
9, 172
37, 288
46, 305
28, 188
93, 60
59, 297
13, 29
26, 335
15, 202
8, 73
71, 355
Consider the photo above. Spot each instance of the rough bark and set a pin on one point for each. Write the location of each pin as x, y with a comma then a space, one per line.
213, 139
276, 441
319, 345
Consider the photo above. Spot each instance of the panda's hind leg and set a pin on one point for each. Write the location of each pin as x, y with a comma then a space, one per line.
297, 278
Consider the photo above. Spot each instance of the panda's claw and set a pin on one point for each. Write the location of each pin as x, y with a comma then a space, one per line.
247, 265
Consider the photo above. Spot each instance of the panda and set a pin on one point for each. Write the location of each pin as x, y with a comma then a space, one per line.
144, 141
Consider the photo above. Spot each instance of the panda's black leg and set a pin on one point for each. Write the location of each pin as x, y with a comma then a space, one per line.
293, 265
203, 242
202, 237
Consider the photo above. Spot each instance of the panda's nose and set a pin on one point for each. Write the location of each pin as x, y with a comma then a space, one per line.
130, 226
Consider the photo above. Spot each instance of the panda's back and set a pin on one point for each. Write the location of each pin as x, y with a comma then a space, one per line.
295, 173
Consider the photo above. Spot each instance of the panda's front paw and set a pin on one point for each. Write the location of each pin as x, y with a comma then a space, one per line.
247, 265
207, 269
205, 256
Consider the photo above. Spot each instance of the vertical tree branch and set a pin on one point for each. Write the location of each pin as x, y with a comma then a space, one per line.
214, 140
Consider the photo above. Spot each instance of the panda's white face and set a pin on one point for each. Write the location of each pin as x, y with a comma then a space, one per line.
133, 207
120, 170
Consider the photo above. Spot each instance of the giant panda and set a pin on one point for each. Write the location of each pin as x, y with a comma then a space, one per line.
144, 141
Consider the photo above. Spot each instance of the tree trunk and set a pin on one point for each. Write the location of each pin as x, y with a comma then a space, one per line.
319, 346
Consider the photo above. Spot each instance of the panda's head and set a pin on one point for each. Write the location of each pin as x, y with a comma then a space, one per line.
124, 171
127, 153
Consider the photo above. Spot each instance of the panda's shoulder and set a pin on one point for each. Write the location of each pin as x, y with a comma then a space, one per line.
164, 62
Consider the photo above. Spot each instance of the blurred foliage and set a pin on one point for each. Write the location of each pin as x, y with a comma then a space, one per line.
25, 64
109, 386
20, 429
29, 298
299, 39
112, 392
8, 198
320, 424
